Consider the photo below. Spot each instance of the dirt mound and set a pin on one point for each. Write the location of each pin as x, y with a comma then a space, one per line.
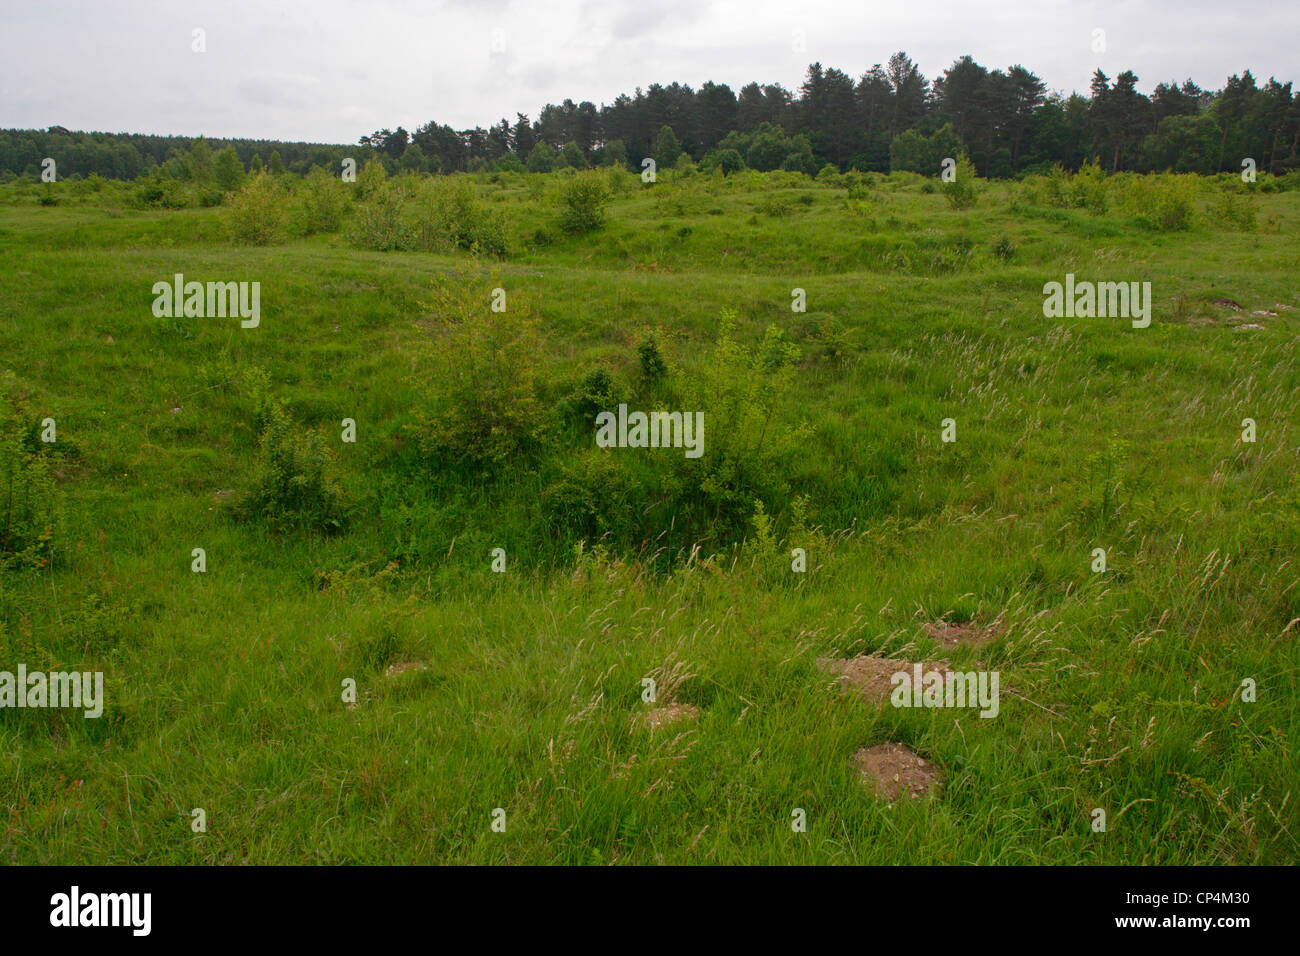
397, 670
965, 634
658, 717
892, 770
871, 675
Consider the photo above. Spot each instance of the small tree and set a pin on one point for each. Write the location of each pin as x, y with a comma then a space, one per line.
541, 159
412, 159
257, 212
200, 161
229, 170
614, 153
963, 190
572, 156
584, 202
276, 165
667, 149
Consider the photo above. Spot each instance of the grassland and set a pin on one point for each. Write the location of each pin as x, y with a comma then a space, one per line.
224, 687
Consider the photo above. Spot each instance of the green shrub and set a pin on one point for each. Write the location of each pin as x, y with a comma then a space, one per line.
295, 486
963, 191
594, 393
379, 224
28, 514
653, 366
583, 204
370, 180
1236, 211
478, 374
450, 215
325, 204
1164, 202
257, 212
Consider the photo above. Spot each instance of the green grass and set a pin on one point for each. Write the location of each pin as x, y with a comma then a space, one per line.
224, 688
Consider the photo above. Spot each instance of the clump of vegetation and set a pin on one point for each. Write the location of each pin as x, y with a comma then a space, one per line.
295, 487
379, 224
963, 191
653, 366
583, 203
257, 212
451, 216
1166, 203
28, 508
1238, 211
325, 204
479, 376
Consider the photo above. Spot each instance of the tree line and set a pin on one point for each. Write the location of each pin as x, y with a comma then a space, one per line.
891, 118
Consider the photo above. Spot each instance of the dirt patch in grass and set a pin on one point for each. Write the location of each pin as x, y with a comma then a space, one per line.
893, 771
658, 717
872, 676
400, 668
965, 634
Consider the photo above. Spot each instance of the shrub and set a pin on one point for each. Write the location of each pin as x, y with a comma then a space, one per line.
371, 179
653, 366
963, 191
583, 205
451, 216
1165, 202
594, 393
478, 375
28, 514
1236, 210
378, 224
294, 486
325, 204
257, 212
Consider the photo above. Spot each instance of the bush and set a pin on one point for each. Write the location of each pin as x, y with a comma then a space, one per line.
478, 375
1165, 202
594, 393
257, 212
379, 225
28, 514
371, 180
451, 216
653, 366
583, 205
294, 486
963, 191
326, 202
1236, 211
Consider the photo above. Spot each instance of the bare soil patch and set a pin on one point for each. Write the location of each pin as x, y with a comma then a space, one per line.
400, 668
671, 713
965, 634
870, 675
893, 771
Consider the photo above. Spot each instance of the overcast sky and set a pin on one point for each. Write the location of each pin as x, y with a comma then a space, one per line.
333, 70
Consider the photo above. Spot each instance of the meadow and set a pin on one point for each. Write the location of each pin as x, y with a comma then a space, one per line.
497, 588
